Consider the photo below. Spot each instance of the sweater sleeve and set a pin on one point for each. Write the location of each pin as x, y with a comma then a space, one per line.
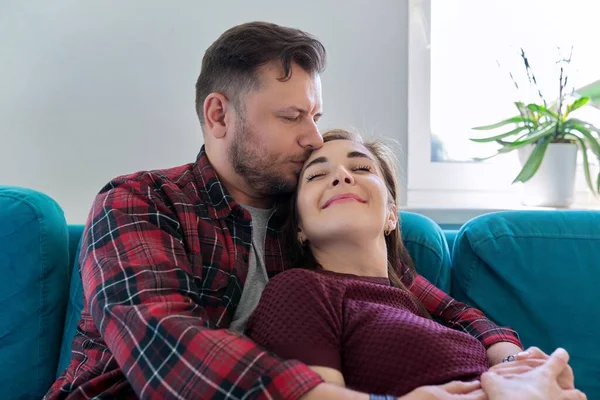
460, 316
299, 317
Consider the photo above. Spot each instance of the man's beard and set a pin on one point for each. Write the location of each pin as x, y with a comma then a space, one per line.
261, 171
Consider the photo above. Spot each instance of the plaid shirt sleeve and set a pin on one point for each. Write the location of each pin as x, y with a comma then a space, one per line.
459, 316
144, 299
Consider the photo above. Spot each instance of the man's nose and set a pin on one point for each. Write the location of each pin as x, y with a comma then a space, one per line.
311, 138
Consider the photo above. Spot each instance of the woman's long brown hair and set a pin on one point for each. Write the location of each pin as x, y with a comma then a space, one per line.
401, 270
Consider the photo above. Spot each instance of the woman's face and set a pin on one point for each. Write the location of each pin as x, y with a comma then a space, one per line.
342, 192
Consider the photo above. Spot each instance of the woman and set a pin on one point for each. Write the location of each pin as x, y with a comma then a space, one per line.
345, 311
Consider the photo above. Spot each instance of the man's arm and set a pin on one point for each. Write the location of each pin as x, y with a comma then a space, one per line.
144, 299
460, 316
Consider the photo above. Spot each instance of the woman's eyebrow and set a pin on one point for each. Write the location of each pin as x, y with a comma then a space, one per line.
358, 154
318, 160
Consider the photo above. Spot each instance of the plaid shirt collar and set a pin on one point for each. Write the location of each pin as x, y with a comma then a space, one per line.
212, 191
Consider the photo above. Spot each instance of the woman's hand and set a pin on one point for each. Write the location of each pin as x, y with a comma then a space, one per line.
449, 391
540, 382
530, 359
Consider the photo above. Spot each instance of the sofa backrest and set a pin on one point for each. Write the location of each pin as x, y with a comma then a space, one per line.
538, 272
75, 303
34, 259
426, 243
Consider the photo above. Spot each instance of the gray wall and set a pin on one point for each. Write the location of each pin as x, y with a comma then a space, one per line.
94, 89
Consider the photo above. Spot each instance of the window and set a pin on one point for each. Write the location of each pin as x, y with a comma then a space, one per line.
461, 55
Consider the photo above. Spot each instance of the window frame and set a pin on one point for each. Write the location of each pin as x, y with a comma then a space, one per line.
452, 184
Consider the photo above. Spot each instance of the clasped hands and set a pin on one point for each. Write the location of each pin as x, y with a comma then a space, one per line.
532, 375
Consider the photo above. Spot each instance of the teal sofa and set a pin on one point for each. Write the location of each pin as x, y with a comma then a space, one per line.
537, 272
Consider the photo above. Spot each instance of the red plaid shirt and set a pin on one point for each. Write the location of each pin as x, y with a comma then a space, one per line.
164, 259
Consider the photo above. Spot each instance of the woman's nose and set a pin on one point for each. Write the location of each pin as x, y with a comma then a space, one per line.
342, 175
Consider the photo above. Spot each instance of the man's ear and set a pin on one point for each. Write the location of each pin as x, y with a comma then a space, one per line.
216, 106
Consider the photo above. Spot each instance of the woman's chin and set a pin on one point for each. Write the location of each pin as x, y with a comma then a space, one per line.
351, 229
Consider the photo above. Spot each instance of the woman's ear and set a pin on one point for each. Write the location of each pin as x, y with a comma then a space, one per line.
301, 237
392, 221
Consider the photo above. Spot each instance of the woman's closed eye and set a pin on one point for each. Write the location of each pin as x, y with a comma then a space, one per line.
358, 168
313, 175
366, 168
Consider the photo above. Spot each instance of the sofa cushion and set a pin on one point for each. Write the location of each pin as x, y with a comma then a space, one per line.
538, 272
75, 232
426, 243
75, 304
33, 291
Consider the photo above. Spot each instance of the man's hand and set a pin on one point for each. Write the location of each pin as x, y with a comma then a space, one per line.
540, 382
532, 358
449, 391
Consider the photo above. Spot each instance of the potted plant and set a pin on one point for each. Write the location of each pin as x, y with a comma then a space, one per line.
547, 138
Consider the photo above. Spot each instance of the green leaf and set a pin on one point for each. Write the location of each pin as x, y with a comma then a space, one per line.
525, 112
533, 162
502, 150
542, 110
506, 145
580, 102
513, 120
592, 91
593, 142
501, 136
586, 164
479, 159
521, 107
546, 129
585, 124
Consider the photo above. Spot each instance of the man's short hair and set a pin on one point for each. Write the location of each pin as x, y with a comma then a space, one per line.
230, 64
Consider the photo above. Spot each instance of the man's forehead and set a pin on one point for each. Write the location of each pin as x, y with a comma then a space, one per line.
299, 83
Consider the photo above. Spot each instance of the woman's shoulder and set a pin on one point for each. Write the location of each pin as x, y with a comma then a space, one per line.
296, 291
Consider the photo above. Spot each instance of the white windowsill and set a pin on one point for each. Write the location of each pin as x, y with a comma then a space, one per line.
458, 207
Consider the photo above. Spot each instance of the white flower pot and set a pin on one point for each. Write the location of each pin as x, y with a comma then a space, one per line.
553, 185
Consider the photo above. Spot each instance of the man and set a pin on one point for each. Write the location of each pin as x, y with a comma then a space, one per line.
174, 261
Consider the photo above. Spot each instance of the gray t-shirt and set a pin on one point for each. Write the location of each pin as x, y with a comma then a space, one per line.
257, 278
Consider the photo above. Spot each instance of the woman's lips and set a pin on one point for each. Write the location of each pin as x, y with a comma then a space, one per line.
344, 196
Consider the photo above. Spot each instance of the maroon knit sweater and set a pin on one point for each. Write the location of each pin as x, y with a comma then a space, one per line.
369, 330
